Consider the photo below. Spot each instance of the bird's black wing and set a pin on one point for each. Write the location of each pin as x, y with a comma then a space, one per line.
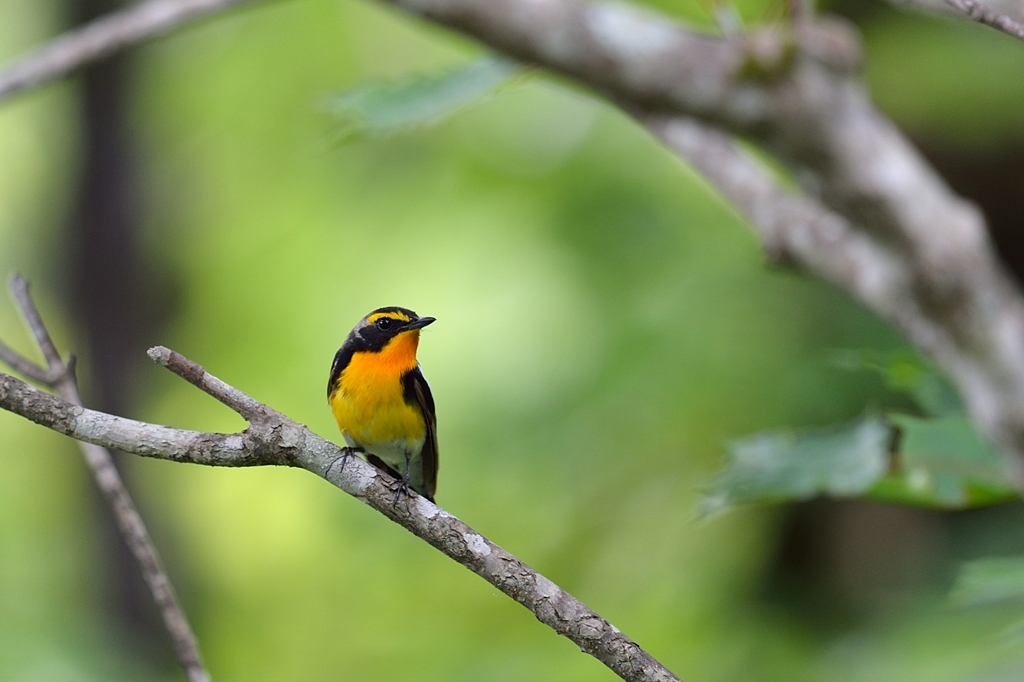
417, 392
341, 360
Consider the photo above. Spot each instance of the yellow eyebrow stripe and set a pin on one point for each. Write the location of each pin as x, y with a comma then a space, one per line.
390, 315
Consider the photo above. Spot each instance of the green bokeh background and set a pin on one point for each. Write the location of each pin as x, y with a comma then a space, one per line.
605, 325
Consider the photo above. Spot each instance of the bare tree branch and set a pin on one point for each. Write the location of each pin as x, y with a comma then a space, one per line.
101, 38
982, 14
797, 230
794, 229
23, 365
1002, 15
61, 378
273, 439
19, 288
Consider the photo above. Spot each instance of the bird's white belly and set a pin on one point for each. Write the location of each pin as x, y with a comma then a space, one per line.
393, 453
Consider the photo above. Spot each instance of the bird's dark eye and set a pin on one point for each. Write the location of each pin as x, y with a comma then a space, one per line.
384, 324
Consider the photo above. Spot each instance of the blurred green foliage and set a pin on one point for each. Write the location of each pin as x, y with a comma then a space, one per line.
933, 459
941, 463
994, 582
989, 581
785, 466
906, 371
945, 463
605, 326
376, 109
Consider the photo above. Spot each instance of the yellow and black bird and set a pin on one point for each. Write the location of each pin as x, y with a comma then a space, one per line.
381, 401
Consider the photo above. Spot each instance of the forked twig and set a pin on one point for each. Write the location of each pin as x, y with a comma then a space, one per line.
60, 377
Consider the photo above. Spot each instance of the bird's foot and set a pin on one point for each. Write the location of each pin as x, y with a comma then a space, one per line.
403, 489
343, 458
403, 486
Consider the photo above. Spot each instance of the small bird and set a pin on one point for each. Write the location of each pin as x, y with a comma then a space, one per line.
381, 401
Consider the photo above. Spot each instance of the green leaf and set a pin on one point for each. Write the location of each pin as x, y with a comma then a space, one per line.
383, 108
945, 463
900, 488
940, 463
789, 465
908, 372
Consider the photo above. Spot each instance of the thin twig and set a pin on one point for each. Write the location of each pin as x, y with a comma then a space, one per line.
273, 439
196, 374
23, 365
103, 37
60, 377
978, 12
20, 292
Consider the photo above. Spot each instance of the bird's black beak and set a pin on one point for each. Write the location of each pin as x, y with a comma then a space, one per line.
419, 323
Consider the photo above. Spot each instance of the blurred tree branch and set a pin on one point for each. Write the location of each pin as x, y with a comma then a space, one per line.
103, 37
794, 229
1003, 15
983, 14
273, 439
60, 377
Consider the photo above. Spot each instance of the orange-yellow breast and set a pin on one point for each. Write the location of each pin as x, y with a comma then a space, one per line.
369, 405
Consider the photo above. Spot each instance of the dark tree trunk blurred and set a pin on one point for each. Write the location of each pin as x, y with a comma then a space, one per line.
109, 291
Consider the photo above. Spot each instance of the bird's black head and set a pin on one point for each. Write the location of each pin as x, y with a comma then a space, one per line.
375, 330
372, 334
